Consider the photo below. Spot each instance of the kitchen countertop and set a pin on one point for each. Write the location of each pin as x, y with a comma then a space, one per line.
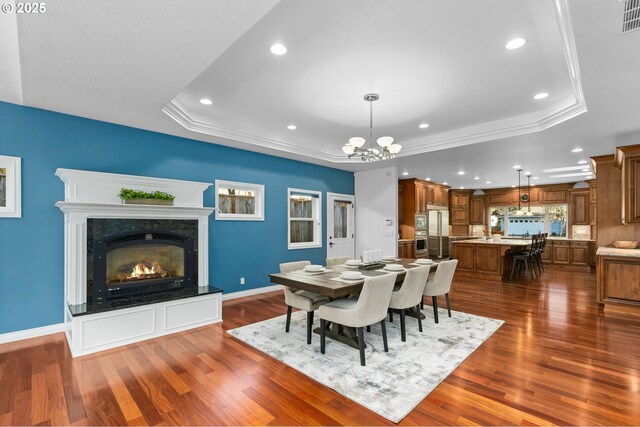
405, 240
603, 250
502, 242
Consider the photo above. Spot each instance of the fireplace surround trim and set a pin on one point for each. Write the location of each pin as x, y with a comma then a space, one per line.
91, 194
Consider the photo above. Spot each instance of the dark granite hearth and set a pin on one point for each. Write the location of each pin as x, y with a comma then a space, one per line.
138, 300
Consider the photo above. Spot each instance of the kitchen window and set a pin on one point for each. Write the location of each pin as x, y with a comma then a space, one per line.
305, 218
551, 219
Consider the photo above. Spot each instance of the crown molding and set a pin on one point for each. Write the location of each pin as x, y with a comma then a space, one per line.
565, 109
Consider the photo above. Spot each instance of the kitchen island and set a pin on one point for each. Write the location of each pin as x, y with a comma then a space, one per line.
486, 259
618, 281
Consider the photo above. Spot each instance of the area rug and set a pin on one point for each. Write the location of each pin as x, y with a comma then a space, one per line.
391, 384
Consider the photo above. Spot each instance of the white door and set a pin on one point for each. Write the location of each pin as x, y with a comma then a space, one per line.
340, 225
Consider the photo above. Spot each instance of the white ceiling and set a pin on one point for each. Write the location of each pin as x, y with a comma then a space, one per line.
436, 61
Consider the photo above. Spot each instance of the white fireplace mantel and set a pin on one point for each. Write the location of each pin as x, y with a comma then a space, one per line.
95, 195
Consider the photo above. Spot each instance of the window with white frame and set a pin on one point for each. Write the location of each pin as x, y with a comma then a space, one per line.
239, 201
305, 218
550, 219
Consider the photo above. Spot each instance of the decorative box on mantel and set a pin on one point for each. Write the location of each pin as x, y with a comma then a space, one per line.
133, 272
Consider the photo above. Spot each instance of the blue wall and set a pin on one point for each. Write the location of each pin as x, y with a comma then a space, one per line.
31, 247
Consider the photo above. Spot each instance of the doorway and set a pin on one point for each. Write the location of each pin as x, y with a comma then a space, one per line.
340, 225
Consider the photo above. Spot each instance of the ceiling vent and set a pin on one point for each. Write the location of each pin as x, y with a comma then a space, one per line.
630, 15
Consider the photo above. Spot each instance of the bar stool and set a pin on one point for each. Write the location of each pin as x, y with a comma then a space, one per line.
525, 260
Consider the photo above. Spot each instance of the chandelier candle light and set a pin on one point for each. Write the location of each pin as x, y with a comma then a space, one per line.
354, 148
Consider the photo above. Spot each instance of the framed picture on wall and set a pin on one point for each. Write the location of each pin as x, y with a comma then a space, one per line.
239, 201
10, 191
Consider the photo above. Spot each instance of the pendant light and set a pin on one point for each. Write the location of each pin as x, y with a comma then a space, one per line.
519, 212
529, 213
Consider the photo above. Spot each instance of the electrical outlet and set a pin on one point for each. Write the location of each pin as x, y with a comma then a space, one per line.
242, 280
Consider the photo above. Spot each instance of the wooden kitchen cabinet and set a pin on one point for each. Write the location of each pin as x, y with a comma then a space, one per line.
459, 199
618, 287
476, 210
579, 253
628, 160
579, 208
405, 249
400, 204
561, 253
459, 207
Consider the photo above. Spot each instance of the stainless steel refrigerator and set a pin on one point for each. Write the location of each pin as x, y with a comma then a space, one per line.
438, 233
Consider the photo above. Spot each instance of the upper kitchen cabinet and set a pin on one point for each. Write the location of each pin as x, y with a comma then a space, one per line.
400, 204
628, 160
476, 210
579, 207
459, 207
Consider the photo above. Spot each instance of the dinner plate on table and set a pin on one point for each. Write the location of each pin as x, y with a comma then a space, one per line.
394, 267
351, 275
424, 261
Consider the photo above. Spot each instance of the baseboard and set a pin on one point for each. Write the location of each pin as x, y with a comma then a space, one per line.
251, 292
31, 333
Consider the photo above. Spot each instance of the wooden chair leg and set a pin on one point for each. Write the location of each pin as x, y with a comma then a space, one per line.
323, 329
446, 297
361, 345
383, 326
419, 318
288, 323
434, 300
403, 330
309, 325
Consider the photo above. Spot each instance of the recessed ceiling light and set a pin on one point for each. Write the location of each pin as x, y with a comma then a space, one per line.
427, 179
278, 49
423, 125
517, 167
487, 182
405, 173
515, 43
206, 101
445, 183
582, 162
461, 187
476, 178
541, 95
461, 172
292, 127
577, 150
513, 186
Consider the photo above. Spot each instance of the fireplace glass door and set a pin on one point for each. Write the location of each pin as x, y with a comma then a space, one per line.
144, 264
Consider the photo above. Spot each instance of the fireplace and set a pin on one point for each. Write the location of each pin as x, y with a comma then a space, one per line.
128, 258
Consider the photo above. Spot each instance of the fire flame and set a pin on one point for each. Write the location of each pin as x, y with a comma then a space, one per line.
140, 270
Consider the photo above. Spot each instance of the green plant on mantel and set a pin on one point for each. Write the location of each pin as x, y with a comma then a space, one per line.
129, 194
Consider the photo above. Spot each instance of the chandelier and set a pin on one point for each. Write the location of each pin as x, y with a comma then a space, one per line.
355, 146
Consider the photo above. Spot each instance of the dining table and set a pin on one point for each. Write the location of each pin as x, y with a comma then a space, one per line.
330, 284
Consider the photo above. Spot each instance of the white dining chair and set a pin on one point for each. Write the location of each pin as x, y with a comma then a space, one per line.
409, 296
370, 308
441, 284
339, 260
302, 300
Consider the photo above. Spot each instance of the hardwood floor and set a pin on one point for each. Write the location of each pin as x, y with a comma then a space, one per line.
557, 360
